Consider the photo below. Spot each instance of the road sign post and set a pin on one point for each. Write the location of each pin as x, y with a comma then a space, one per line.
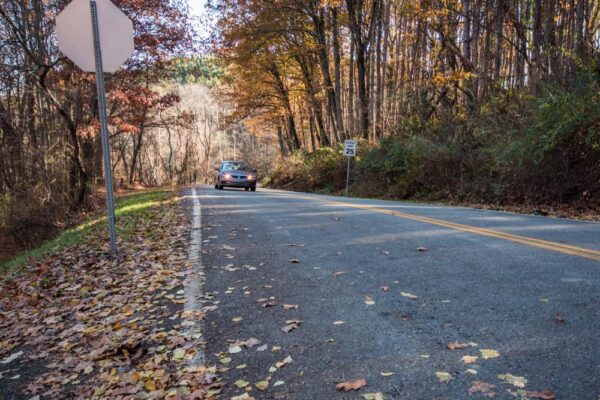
349, 152
97, 37
110, 203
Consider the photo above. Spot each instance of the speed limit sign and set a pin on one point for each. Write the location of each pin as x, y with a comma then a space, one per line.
349, 151
349, 148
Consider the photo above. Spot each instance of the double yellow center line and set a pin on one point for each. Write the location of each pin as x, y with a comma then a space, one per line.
528, 241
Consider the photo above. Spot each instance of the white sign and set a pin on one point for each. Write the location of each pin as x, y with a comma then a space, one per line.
350, 148
76, 39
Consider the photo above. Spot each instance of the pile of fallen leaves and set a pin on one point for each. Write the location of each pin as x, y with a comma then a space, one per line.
81, 324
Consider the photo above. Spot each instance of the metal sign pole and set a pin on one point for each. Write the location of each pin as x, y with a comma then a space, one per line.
347, 176
104, 128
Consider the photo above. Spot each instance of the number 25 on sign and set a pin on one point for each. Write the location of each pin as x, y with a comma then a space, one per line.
349, 151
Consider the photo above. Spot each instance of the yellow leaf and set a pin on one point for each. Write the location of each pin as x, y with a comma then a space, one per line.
178, 354
373, 396
469, 359
369, 301
408, 295
443, 377
488, 353
236, 319
241, 383
471, 371
262, 385
518, 381
386, 374
150, 386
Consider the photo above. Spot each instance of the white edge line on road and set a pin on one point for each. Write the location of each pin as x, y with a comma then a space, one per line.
193, 282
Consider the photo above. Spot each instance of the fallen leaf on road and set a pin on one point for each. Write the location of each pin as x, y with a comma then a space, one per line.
262, 385
408, 295
482, 387
469, 359
386, 374
471, 371
294, 260
283, 362
250, 342
241, 383
236, 319
489, 353
290, 327
373, 396
369, 301
262, 348
385, 288
351, 385
235, 349
518, 381
338, 273
457, 345
421, 248
276, 348
559, 320
544, 395
443, 377
338, 322
290, 306
278, 383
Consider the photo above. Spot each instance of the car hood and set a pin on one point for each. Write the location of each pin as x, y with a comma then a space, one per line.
235, 171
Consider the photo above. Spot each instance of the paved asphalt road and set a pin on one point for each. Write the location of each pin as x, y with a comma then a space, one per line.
489, 279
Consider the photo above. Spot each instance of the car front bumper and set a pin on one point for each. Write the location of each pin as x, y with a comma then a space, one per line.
238, 182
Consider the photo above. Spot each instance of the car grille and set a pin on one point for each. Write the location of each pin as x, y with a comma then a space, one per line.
239, 176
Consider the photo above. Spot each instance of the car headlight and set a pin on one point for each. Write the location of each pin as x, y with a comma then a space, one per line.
227, 176
250, 177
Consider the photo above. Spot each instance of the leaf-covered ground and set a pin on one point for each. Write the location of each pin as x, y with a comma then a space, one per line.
78, 324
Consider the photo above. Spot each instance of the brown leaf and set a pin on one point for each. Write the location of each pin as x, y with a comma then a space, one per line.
351, 385
456, 345
385, 288
559, 320
294, 261
421, 248
545, 395
290, 306
482, 387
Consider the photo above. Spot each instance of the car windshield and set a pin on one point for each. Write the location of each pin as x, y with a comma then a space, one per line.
235, 166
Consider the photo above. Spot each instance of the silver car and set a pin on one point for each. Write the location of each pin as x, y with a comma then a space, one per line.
235, 174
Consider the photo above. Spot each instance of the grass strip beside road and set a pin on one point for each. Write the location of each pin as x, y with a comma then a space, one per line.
128, 208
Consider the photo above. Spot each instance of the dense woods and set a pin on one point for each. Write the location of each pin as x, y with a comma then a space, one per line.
162, 111
470, 100
478, 100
